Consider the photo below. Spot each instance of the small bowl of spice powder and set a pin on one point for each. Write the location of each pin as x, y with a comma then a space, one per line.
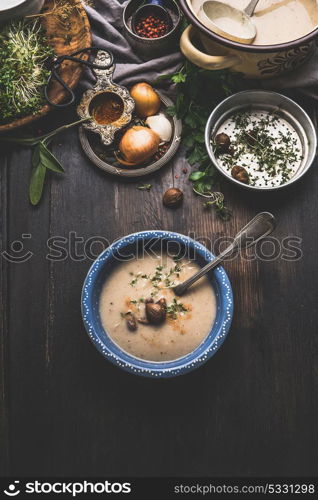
106, 108
260, 140
153, 35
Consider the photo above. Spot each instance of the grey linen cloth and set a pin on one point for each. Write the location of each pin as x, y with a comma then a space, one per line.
108, 33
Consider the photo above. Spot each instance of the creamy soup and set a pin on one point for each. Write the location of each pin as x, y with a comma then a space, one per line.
276, 21
134, 320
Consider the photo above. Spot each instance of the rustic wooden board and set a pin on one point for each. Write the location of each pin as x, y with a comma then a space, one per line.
251, 410
65, 36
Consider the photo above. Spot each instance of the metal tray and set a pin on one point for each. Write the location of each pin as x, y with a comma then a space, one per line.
88, 148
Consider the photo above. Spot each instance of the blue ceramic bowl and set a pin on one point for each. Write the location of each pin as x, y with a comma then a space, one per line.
105, 264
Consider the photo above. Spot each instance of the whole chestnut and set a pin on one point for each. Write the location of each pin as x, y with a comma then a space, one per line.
155, 313
172, 198
222, 142
131, 322
240, 174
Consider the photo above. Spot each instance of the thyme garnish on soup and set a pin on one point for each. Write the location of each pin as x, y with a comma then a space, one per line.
160, 280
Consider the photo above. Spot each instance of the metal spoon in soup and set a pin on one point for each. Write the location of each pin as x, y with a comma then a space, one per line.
260, 226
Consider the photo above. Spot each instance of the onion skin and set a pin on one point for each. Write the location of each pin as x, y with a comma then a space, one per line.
147, 101
123, 162
137, 145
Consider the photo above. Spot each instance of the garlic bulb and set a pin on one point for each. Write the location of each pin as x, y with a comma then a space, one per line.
161, 125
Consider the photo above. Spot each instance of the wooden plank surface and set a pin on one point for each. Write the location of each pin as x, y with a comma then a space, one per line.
251, 410
4, 420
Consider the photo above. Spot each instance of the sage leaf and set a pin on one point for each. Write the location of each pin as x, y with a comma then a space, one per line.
37, 183
48, 160
32, 141
42, 159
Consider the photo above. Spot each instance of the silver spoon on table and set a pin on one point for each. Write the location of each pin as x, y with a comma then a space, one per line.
259, 227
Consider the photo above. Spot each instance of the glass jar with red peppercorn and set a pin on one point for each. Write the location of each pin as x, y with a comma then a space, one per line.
151, 35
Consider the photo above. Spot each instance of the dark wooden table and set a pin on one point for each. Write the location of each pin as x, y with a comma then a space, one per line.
251, 410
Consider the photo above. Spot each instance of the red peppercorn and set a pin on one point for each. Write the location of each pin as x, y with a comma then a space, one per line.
151, 27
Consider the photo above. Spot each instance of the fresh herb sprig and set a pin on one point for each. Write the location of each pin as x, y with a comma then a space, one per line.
199, 91
62, 11
144, 187
216, 201
24, 52
42, 158
162, 276
176, 308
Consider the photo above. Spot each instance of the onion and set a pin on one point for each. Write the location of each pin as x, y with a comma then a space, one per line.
137, 145
161, 125
146, 99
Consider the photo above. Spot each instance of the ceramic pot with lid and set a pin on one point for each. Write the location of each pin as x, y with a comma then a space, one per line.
254, 61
